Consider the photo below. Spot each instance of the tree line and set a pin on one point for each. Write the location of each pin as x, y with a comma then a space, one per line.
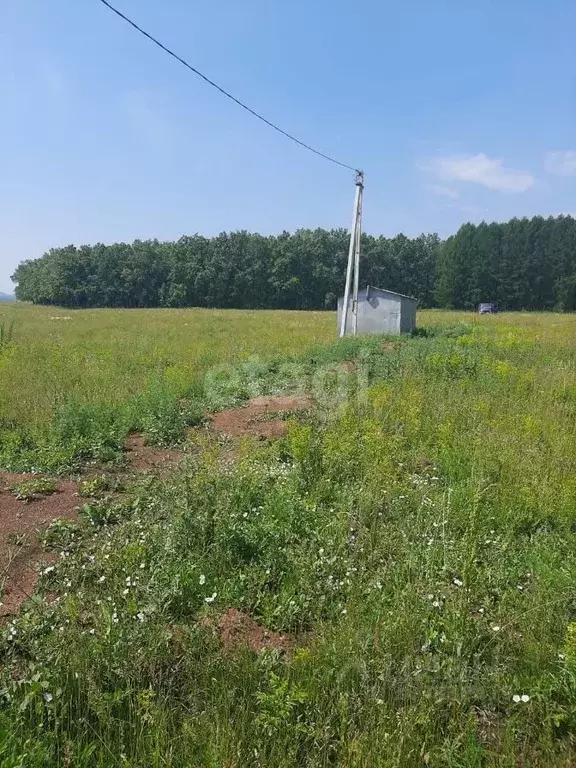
521, 264
304, 270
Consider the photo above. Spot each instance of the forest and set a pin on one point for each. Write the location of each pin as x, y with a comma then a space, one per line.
521, 264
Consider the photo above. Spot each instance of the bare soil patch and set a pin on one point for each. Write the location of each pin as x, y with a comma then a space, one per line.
144, 457
489, 727
347, 366
20, 523
236, 629
253, 418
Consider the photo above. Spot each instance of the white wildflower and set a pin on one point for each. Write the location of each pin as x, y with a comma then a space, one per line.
458, 582
525, 698
48, 697
102, 579
202, 580
210, 599
495, 628
516, 698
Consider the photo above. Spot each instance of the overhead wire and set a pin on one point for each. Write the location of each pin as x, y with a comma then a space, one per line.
225, 92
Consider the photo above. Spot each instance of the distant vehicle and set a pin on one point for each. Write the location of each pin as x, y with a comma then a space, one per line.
488, 309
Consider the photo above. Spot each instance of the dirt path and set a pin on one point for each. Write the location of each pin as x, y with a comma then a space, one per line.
20, 523
254, 417
143, 457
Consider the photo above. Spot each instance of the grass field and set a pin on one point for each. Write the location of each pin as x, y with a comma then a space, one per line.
105, 357
412, 539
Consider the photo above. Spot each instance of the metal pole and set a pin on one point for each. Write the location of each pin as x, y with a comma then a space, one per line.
358, 238
350, 261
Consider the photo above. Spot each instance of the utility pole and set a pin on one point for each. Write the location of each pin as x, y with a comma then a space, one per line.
353, 268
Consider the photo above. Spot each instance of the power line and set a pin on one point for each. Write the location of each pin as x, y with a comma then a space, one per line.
224, 92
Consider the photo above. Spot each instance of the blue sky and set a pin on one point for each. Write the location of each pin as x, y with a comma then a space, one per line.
457, 110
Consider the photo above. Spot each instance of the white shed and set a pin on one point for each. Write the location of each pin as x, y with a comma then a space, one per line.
380, 311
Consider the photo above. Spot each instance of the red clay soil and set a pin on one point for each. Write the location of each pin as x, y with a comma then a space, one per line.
236, 630
145, 458
20, 523
253, 418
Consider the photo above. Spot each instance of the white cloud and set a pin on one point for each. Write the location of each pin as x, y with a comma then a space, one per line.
561, 163
442, 191
479, 169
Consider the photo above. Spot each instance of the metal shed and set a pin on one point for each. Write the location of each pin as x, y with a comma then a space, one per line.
380, 311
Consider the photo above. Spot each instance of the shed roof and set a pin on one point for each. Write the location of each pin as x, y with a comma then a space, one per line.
370, 289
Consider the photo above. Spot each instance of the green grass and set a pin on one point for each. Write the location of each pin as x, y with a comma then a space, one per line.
74, 384
30, 489
416, 535
105, 357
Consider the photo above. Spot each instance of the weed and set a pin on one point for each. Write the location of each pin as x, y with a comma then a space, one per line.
61, 534
104, 511
35, 487
6, 335
414, 535
98, 486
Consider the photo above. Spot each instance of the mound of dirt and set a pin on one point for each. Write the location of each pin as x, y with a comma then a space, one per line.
236, 630
253, 418
20, 523
144, 457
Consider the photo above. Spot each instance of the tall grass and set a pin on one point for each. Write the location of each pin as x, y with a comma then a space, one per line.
416, 539
6, 334
75, 383
105, 357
